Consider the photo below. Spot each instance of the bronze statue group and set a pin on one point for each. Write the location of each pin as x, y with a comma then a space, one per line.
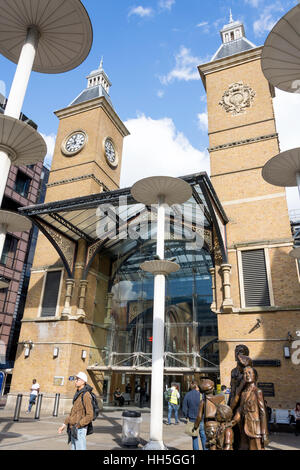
242, 424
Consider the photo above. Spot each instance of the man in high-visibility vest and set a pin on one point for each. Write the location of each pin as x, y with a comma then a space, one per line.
173, 402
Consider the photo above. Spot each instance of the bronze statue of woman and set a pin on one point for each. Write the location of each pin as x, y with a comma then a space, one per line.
251, 414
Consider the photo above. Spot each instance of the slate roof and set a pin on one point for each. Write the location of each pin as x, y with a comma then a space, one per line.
232, 48
90, 94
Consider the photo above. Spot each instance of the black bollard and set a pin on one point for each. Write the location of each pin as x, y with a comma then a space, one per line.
56, 404
38, 406
18, 407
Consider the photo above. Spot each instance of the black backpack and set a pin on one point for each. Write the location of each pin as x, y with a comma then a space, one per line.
96, 410
95, 405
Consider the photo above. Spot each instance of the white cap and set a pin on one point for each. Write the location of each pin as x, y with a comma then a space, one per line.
82, 376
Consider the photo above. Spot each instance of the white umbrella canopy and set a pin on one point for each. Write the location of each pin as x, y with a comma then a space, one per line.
14, 222
174, 190
281, 53
23, 144
160, 267
282, 169
64, 27
295, 253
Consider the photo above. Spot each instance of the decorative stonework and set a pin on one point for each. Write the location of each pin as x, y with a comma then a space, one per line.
237, 98
70, 283
252, 140
81, 299
227, 305
78, 178
217, 250
206, 235
66, 246
92, 250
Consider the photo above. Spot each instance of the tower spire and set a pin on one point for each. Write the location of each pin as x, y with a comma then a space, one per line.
231, 18
99, 78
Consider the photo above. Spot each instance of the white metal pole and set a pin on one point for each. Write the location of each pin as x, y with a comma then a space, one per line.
22, 74
14, 105
17, 95
5, 164
3, 231
157, 379
298, 181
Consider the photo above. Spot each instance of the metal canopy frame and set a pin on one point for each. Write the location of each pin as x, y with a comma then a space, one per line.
142, 363
65, 222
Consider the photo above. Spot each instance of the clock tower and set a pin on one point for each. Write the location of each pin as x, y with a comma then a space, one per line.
88, 151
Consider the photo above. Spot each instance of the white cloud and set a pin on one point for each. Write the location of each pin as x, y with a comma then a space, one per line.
155, 147
140, 11
268, 18
253, 3
50, 141
185, 68
203, 121
286, 106
160, 93
166, 4
3, 88
204, 25
123, 292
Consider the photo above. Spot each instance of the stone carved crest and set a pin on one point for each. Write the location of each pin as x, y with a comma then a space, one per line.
237, 98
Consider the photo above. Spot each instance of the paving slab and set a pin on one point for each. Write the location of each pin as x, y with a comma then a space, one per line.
31, 434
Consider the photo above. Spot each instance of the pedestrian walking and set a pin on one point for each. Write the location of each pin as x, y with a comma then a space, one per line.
226, 393
269, 415
81, 415
142, 395
35, 390
173, 396
190, 411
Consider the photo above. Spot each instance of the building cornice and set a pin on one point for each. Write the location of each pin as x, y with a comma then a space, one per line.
100, 102
78, 178
227, 62
261, 243
252, 140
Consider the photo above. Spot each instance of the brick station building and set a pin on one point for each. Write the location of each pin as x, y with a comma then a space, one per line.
25, 186
90, 306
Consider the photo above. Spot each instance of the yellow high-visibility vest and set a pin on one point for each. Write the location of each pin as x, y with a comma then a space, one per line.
174, 399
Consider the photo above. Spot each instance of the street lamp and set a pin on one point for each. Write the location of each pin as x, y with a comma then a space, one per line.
281, 67
45, 36
161, 190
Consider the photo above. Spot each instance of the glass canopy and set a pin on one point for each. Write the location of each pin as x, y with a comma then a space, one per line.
114, 226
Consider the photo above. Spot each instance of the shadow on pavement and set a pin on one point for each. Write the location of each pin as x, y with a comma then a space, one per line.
5, 434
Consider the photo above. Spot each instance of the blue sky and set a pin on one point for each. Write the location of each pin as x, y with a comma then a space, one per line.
151, 50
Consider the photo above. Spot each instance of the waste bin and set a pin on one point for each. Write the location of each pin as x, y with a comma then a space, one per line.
131, 428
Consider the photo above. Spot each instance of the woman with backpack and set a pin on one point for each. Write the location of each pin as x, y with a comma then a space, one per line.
81, 415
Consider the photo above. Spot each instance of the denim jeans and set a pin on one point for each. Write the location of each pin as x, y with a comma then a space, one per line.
172, 407
80, 442
202, 437
32, 399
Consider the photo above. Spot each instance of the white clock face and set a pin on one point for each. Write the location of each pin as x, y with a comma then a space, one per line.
110, 152
74, 143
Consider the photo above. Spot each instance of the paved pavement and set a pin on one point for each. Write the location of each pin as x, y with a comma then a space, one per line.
31, 434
